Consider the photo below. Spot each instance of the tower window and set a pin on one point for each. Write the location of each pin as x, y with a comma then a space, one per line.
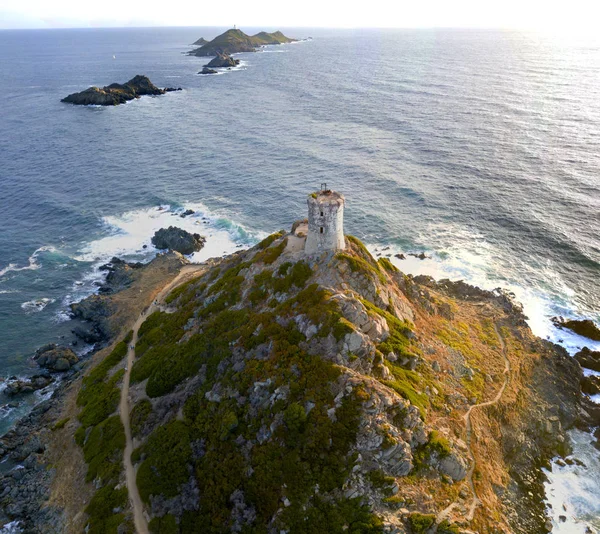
321, 229
321, 214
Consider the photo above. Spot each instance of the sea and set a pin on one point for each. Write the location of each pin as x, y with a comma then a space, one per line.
478, 148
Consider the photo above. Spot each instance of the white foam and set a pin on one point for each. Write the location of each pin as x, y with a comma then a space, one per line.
126, 235
472, 259
36, 306
33, 262
572, 486
11, 528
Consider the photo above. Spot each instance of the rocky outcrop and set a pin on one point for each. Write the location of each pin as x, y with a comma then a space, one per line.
178, 240
589, 359
585, 328
590, 385
119, 275
200, 42
115, 94
16, 386
206, 70
222, 61
95, 310
55, 358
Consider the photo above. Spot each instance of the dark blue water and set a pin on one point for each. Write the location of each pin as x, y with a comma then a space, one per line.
481, 148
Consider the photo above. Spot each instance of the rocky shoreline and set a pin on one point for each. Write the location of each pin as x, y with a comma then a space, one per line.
556, 402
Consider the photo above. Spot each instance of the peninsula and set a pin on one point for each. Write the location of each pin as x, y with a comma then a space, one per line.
299, 386
116, 93
235, 41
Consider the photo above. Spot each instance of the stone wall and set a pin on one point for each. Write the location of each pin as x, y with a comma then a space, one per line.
325, 222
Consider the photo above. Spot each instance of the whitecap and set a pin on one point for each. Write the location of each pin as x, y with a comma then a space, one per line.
36, 305
33, 262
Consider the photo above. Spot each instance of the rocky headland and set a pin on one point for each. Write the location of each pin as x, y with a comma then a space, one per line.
115, 94
271, 391
235, 41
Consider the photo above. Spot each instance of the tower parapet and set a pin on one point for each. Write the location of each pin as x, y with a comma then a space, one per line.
325, 222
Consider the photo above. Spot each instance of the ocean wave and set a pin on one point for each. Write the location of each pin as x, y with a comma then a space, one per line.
33, 262
36, 305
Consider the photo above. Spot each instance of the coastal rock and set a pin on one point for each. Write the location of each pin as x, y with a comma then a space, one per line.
120, 275
15, 386
55, 358
178, 239
95, 309
206, 70
115, 94
590, 385
589, 359
585, 328
200, 42
222, 61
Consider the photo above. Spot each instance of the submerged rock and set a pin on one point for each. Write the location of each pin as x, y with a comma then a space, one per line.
178, 239
206, 70
115, 93
55, 358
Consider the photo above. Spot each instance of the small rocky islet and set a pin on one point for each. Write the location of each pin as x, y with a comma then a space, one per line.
116, 93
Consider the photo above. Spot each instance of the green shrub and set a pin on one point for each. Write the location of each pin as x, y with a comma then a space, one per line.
139, 415
388, 265
103, 450
420, 523
166, 524
60, 424
265, 243
101, 510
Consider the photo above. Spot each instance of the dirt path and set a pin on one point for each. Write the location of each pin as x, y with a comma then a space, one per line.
469, 433
141, 525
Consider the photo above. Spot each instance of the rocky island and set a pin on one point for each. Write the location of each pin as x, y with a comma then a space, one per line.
115, 94
235, 41
300, 386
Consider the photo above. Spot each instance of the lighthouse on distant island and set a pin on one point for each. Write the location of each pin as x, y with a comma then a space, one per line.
325, 221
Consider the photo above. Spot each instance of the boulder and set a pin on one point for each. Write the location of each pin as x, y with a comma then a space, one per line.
16, 386
585, 328
178, 239
206, 70
590, 385
55, 358
589, 359
115, 93
222, 61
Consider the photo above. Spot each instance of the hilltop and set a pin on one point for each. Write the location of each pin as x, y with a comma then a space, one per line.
275, 391
234, 41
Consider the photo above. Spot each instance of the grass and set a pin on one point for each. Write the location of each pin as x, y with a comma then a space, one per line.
60, 424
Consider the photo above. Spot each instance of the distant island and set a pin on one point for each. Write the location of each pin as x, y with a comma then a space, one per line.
116, 93
235, 41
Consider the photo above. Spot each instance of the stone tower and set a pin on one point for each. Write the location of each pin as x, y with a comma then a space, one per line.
325, 221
